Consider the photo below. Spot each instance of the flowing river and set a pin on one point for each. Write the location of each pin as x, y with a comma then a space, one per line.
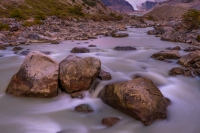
57, 115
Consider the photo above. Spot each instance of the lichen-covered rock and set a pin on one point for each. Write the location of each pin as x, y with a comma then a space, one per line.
77, 74
85, 108
138, 98
167, 55
37, 77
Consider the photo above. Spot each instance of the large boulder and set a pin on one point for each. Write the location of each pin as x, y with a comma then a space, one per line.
138, 98
167, 55
189, 59
80, 50
37, 77
77, 74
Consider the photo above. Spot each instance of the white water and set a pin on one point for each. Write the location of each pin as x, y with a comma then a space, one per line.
34, 115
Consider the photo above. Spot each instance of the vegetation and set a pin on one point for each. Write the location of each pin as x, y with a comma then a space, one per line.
198, 38
3, 26
191, 19
150, 17
31, 23
77, 10
90, 3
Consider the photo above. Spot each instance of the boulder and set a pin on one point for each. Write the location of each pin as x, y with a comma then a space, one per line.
190, 49
176, 48
80, 50
110, 121
55, 42
120, 35
17, 48
125, 48
37, 77
138, 98
176, 71
78, 95
103, 75
85, 108
189, 59
167, 55
2, 47
77, 74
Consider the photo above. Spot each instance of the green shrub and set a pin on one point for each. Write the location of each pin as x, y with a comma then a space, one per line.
31, 23
191, 19
151, 18
198, 38
16, 13
40, 16
91, 3
77, 10
3, 26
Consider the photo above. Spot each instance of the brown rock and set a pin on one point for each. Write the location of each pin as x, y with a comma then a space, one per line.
37, 77
110, 121
176, 48
118, 35
55, 42
138, 98
77, 74
125, 48
78, 95
104, 75
176, 71
190, 49
80, 50
167, 54
17, 48
85, 108
189, 59
2, 47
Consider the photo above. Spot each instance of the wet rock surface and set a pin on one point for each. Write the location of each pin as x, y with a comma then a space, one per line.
125, 48
85, 108
80, 50
103, 75
17, 48
79, 95
138, 98
166, 55
77, 74
119, 35
37, 77
110, 121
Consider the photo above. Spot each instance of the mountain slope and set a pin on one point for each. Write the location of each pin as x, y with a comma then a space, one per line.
173, 9
120, 5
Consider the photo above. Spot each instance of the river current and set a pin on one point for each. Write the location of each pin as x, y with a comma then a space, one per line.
57, 115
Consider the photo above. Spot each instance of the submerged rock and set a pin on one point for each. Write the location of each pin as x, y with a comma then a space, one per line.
138, 98
37, 77
110, 121
176, 71
85, 108
80, 50
120, 35
17, 48
27, 52
77, 74
125, 48
167, 55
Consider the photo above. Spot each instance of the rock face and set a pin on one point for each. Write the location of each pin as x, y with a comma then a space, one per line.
110, 121
77, 74
190, 59
138, 98
166, 55
37, 77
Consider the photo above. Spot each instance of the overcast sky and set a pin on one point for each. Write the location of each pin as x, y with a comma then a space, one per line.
136, 3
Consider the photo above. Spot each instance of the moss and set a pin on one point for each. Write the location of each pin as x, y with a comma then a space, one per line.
3, 26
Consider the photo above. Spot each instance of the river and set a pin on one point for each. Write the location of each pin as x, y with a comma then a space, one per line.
57, 115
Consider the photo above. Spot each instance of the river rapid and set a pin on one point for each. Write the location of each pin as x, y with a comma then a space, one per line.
57, 115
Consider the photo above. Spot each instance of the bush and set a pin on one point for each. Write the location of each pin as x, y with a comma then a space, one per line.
3, 26
16, 14
91, 3
191, 19
40, 16
31, 23
76, 10
151, 18
198, 38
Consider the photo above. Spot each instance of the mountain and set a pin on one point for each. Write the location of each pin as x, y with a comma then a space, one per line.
119, 5
148, 5
60, 8
173, 9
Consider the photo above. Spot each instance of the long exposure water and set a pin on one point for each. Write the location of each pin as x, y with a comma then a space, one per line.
57, 115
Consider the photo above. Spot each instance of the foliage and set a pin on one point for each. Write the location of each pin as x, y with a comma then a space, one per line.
76, 10
3, 26
40, 16
90, 3
31, 23
16, 13
191, 19
151, 18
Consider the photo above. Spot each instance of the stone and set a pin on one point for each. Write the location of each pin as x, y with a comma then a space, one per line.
189, 59
27, 52
77, 74
14, 28
85, 108
138, 98
55, 42
104, 75
78, 95
176, 48
17, 48
190, 49
92, 46
167, 54
80, 50
176, 71
37, 77
118, 35
2, 47
110, 121
125, 48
